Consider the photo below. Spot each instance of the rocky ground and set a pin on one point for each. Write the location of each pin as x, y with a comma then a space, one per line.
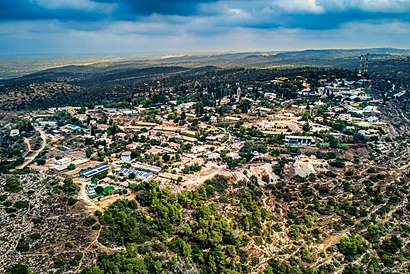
42, 226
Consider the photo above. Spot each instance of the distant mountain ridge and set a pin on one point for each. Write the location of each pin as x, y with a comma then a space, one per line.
140, 66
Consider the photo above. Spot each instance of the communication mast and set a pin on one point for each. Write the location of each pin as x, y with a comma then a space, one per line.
359, 71
363, 69
366, 66
238, 93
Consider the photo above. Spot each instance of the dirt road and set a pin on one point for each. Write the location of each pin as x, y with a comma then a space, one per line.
27, 142
30, 159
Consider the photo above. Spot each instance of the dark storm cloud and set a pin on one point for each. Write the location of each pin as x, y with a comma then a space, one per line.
26, 10
107, 24
261, 14
164, 7
122, 9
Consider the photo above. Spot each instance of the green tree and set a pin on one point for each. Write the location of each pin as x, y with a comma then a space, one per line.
351, 246
18, 269
246, 151
183, 115
22, 246
244, 105
99, 189
41, 161
88, 152
305, 254
93, 270
166, 157
306, 127
353, 269
373, 233
333, 142
391, 245
373, 265
306, 116
180, 247
69, 186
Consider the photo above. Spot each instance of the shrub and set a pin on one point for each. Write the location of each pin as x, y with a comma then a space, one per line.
72, 201
35, 236
21, 204
69, 186
12, 185
22, 247
41, 161
89, 221
3, 198
218, 183
18, 269
391, 245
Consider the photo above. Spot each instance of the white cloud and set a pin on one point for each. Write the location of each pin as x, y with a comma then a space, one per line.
152, 35
226, 25
308, 6
305, 6
397, 6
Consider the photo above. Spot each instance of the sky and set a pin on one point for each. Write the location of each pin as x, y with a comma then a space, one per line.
192, 26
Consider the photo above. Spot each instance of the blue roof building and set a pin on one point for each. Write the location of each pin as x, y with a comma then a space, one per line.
147, 167
138, 174
93, 171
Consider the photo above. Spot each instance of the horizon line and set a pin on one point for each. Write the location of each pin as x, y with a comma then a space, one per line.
164, 53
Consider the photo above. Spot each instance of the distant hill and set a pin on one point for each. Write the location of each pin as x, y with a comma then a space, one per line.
140, 68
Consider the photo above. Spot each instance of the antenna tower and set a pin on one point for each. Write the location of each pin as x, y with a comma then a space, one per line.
366, 66
359, 71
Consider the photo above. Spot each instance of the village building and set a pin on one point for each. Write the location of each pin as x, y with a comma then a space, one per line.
126, 156
299, 140
63, 161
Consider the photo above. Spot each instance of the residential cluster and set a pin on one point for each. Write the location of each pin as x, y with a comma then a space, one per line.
180, 143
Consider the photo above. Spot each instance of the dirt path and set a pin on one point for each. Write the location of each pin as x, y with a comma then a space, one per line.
87, 248
28, 160
94, 206
333, 240
198, 179
27, 142
106, 202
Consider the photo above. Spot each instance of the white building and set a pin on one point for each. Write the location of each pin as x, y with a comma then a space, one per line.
63, 161
372, 119
299, 140
126, 156
14, 132
47, 123
270, 95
